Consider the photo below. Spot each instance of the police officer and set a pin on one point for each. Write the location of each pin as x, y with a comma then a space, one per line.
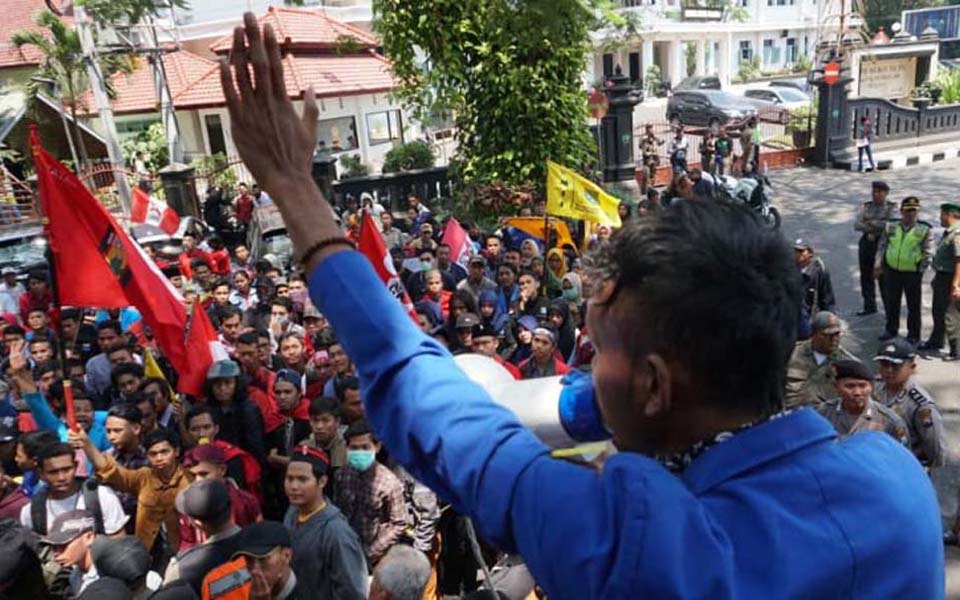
650, 153
898, 391
871, 221
854, 411
946, 284
905, 251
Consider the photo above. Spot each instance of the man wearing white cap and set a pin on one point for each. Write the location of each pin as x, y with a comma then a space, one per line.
10, 291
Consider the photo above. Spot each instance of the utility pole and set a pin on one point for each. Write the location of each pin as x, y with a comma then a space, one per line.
167, 113
97, 84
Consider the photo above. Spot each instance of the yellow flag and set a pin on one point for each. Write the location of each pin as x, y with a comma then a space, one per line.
569, 194
152, 369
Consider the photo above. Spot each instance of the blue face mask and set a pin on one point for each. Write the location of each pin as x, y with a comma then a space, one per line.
361, 460
570, 294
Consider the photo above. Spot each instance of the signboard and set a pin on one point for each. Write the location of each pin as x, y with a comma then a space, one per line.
701, 13
892, 78
831, 73
598, 103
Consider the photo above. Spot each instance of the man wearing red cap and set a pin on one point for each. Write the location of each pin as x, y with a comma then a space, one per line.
209, 461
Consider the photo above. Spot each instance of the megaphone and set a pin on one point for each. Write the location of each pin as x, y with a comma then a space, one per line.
561, 410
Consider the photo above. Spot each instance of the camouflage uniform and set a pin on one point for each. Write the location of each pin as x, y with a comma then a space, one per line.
809, 383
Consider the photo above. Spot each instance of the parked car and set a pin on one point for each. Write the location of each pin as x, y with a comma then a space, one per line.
797, 83
267, 235
699, 83
23, 249
768, 110
787, 97
708, 108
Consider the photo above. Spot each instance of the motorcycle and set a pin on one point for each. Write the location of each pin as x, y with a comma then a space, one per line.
755, 191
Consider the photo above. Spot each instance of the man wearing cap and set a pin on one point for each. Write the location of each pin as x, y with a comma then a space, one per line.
946, 284
904, 254
465, 324
899, 391
207, 504
10, 292
543, 360
476, 281
327, 554
267, 552
817, 286
872, 221
809, 374
485, 342
209, 462
124, 559
240, 419
854, 411
70, 536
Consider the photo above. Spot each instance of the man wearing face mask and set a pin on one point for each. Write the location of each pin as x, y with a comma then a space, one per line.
703, 439
369, 494
416, 283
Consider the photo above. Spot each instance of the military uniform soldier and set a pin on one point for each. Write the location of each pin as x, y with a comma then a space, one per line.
809, 372
872, 221
650, 153
854, 411
946, 284
898, 391
905, 251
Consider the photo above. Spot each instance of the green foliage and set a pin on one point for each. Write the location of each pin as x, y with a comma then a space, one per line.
653, 78
508, 69
803, 118
407, 157
749, 69
216, 170
353, 167
802, 66
128, 11
948, 80
690, 55
153, 143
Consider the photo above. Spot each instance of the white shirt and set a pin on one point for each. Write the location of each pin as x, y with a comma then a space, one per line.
113, 516
10, 298
820, 358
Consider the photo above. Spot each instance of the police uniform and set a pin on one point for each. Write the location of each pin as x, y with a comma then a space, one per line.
809, 381
905, 255
914, 405
946, 310
872, 219
650, 151
875, 417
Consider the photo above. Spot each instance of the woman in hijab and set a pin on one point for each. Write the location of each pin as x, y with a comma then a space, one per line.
528, 250
556, 269
559, 316
498, 320
525, 327
571, 288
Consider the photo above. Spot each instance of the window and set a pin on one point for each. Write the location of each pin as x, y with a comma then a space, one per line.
771, 52
383, 127
607, 65
634, 67
337, 135
746, 51
791, 54
743, 3
215, 138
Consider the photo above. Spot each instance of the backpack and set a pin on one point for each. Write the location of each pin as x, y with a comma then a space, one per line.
91, 502
229, 581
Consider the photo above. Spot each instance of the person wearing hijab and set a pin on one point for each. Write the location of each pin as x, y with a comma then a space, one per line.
525, 327
559, 316
571, 288
528, 250
556, 269
498, 320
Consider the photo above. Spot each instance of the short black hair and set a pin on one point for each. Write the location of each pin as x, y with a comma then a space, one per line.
228, 311
70, 313
708, 284
529, 273
284, 302
220, 283
110, 324
159, 435
159, 381
54, 450
198, 410
14, 330
125, 369
35, 442
198, 262
324, 405
509, 266
118, 347
429, 251
248, 337
127, 411
37, 275
45, 367
346, 383
358, 428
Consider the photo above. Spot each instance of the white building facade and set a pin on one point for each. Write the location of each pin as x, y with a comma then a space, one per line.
777, 32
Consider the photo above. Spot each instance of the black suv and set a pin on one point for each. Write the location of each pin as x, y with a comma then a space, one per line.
709, 108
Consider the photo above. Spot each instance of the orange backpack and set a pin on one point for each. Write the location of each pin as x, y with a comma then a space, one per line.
229, 581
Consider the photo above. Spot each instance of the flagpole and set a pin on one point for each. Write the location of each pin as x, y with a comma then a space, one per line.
55, 292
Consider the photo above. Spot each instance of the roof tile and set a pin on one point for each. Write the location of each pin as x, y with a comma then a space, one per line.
19, 15
301, 28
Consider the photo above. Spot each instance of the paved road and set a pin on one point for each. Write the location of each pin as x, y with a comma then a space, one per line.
820, 206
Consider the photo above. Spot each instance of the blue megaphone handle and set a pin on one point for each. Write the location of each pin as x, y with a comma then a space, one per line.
579, 414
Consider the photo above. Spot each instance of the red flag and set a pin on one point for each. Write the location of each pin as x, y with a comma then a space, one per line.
97, 264
204, 348
456, 237
372, 246
147, 209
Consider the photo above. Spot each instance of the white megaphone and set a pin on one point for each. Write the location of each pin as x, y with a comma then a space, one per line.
561, 410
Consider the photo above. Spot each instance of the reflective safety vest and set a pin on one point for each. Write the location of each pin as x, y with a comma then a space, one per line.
229, 581
905, 248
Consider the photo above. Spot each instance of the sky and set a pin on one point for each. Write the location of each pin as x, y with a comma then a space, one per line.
218, 10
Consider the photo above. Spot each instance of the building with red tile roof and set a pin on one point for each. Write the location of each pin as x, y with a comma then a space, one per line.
19, 15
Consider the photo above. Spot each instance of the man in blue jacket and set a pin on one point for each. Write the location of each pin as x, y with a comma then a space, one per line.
693, 318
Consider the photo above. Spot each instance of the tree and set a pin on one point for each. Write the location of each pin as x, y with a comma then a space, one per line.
510, 70
128, 11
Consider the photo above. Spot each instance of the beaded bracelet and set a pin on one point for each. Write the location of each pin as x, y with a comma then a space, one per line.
318, 246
